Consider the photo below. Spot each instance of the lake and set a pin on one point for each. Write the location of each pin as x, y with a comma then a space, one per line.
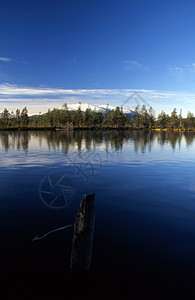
144, 185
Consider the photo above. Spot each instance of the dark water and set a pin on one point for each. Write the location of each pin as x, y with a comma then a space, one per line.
144, 185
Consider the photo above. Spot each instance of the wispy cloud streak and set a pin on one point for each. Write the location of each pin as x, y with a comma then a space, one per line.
5, 59
131, 64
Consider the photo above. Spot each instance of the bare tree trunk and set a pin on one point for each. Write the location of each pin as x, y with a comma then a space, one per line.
83, 235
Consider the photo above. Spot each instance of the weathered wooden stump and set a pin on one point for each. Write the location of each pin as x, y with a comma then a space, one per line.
83, 235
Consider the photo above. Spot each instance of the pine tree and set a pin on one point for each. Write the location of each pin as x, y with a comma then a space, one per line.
162, 120
144, 118
79, 116
49, 118
97, 118
111, 118
18, 117
107, 116
174, 120
180, 119
12, 120
190, 120
151, 118
136, 120
24, 117
40, 119
5, 117
88, 117
64, 115
118, 117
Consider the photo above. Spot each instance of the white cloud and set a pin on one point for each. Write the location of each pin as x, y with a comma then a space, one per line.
131, 64
8, 59
27, 62
176, 69
5, 59
41, 98
182, 70
10, 89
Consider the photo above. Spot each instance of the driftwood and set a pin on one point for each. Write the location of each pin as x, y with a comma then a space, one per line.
83, 235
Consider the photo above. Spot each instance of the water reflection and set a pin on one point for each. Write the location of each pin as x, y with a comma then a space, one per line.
89, 140
15, 140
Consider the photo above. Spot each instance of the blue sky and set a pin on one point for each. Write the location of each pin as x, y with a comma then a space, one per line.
52, 52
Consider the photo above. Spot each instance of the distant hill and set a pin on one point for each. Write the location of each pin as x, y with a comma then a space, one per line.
84, 106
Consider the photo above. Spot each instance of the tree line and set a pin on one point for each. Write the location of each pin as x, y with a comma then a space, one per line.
141, 118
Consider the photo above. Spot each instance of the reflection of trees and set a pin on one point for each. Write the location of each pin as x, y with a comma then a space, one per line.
5, 140
143, 139
117, 139
25, 138
88, 139
189, 138
15, 140
169, 137
162, 138
173, 139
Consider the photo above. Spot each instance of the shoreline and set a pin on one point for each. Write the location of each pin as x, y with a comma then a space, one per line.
95, 128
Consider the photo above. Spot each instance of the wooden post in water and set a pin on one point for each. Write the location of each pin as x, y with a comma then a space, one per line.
83, 235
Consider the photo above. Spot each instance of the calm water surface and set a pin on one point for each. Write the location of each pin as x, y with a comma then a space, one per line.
144, 185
